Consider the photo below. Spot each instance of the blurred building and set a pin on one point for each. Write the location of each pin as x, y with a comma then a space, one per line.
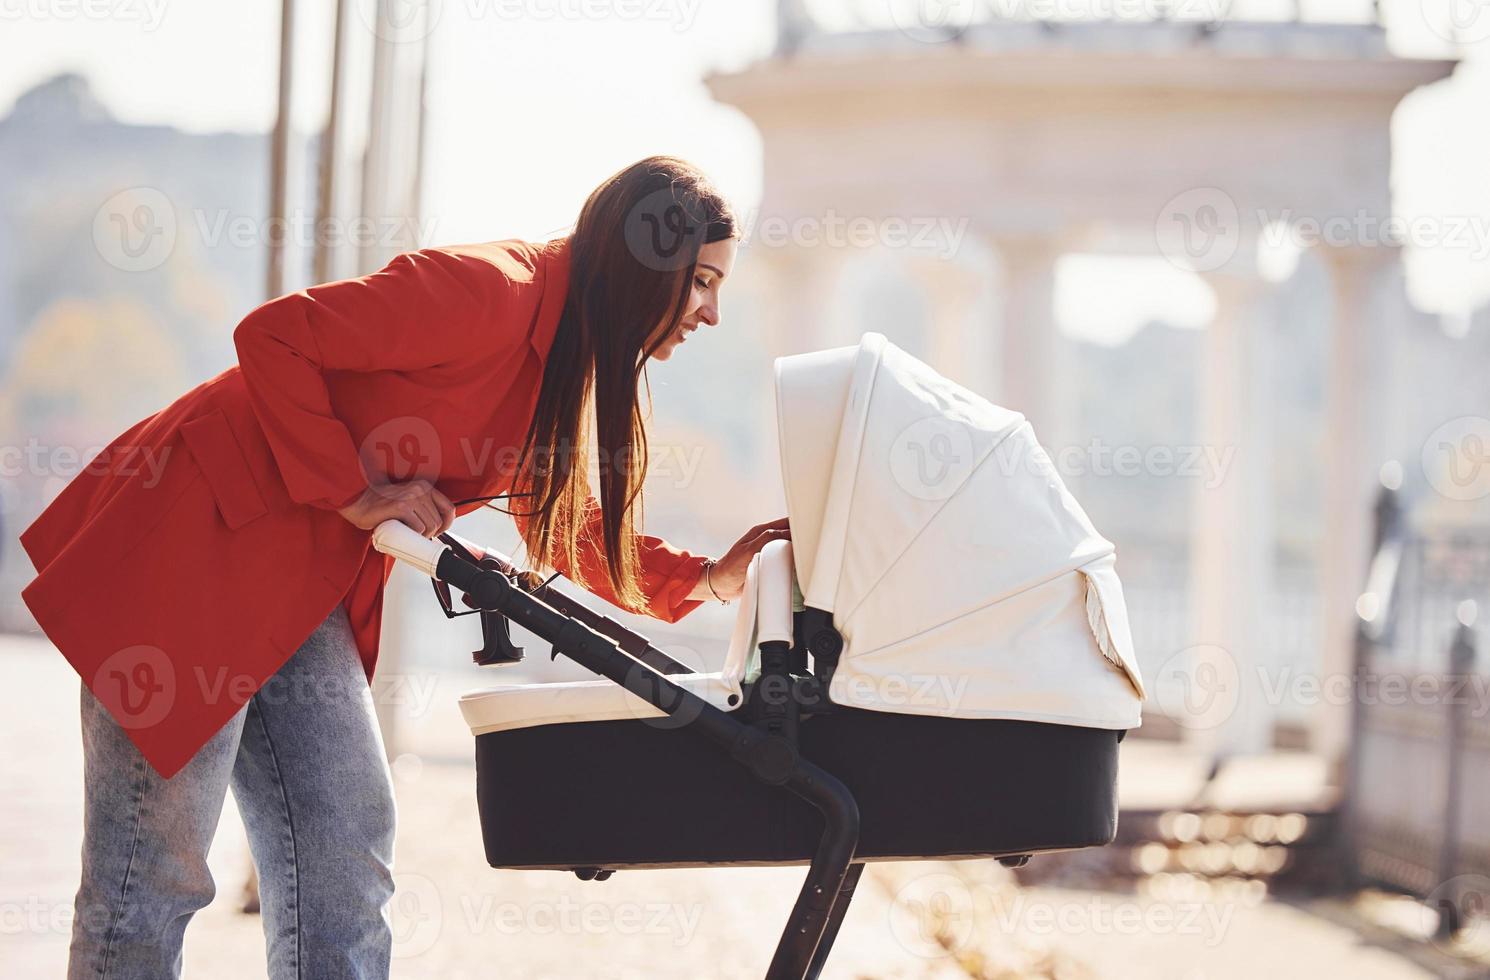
997, 147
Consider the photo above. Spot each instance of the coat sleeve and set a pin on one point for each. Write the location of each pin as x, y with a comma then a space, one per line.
668, 573
422, 309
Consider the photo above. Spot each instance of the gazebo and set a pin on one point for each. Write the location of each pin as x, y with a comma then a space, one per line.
1185, 140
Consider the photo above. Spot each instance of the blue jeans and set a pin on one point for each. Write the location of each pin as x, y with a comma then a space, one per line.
307, 766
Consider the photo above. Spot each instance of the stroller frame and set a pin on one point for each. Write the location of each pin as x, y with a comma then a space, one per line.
766, 745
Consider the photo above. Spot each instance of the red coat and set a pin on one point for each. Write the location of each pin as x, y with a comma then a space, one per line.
192, 556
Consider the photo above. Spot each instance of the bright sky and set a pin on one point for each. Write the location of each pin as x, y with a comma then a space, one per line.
587, 95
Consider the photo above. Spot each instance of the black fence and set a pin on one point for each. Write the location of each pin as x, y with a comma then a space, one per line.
1417, 802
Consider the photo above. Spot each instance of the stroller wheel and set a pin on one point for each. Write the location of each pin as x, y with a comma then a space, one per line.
593, 874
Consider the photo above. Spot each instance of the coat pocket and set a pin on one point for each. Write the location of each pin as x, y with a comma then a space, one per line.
211, 442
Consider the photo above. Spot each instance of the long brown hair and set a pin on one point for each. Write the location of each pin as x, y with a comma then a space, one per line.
633, 254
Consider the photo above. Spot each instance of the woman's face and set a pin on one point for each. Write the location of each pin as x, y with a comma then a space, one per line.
715, 260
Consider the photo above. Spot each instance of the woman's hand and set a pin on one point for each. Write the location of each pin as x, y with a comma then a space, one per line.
416, 503
728, 574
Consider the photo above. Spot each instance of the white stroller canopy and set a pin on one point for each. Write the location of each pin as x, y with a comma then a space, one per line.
964, 577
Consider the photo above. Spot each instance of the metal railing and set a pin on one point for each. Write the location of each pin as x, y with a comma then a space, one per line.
797, 21
1418, 769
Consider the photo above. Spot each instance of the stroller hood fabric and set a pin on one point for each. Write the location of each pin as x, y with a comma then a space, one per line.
965, 579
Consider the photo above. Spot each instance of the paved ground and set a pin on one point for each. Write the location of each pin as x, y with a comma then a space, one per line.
457, 919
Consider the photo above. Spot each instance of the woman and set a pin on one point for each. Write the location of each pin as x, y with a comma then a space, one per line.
210, 576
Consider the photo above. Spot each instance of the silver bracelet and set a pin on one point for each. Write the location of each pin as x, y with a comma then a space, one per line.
708, 564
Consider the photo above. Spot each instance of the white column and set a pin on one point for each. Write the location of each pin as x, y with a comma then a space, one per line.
954, 348
1034, 362
794, 288
797, 286
1356, 363
1224, 710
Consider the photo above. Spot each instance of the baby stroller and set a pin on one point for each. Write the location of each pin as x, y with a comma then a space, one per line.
937, 666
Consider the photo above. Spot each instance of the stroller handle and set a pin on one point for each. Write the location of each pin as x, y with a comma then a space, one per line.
394, 537
769, 756
774, 608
